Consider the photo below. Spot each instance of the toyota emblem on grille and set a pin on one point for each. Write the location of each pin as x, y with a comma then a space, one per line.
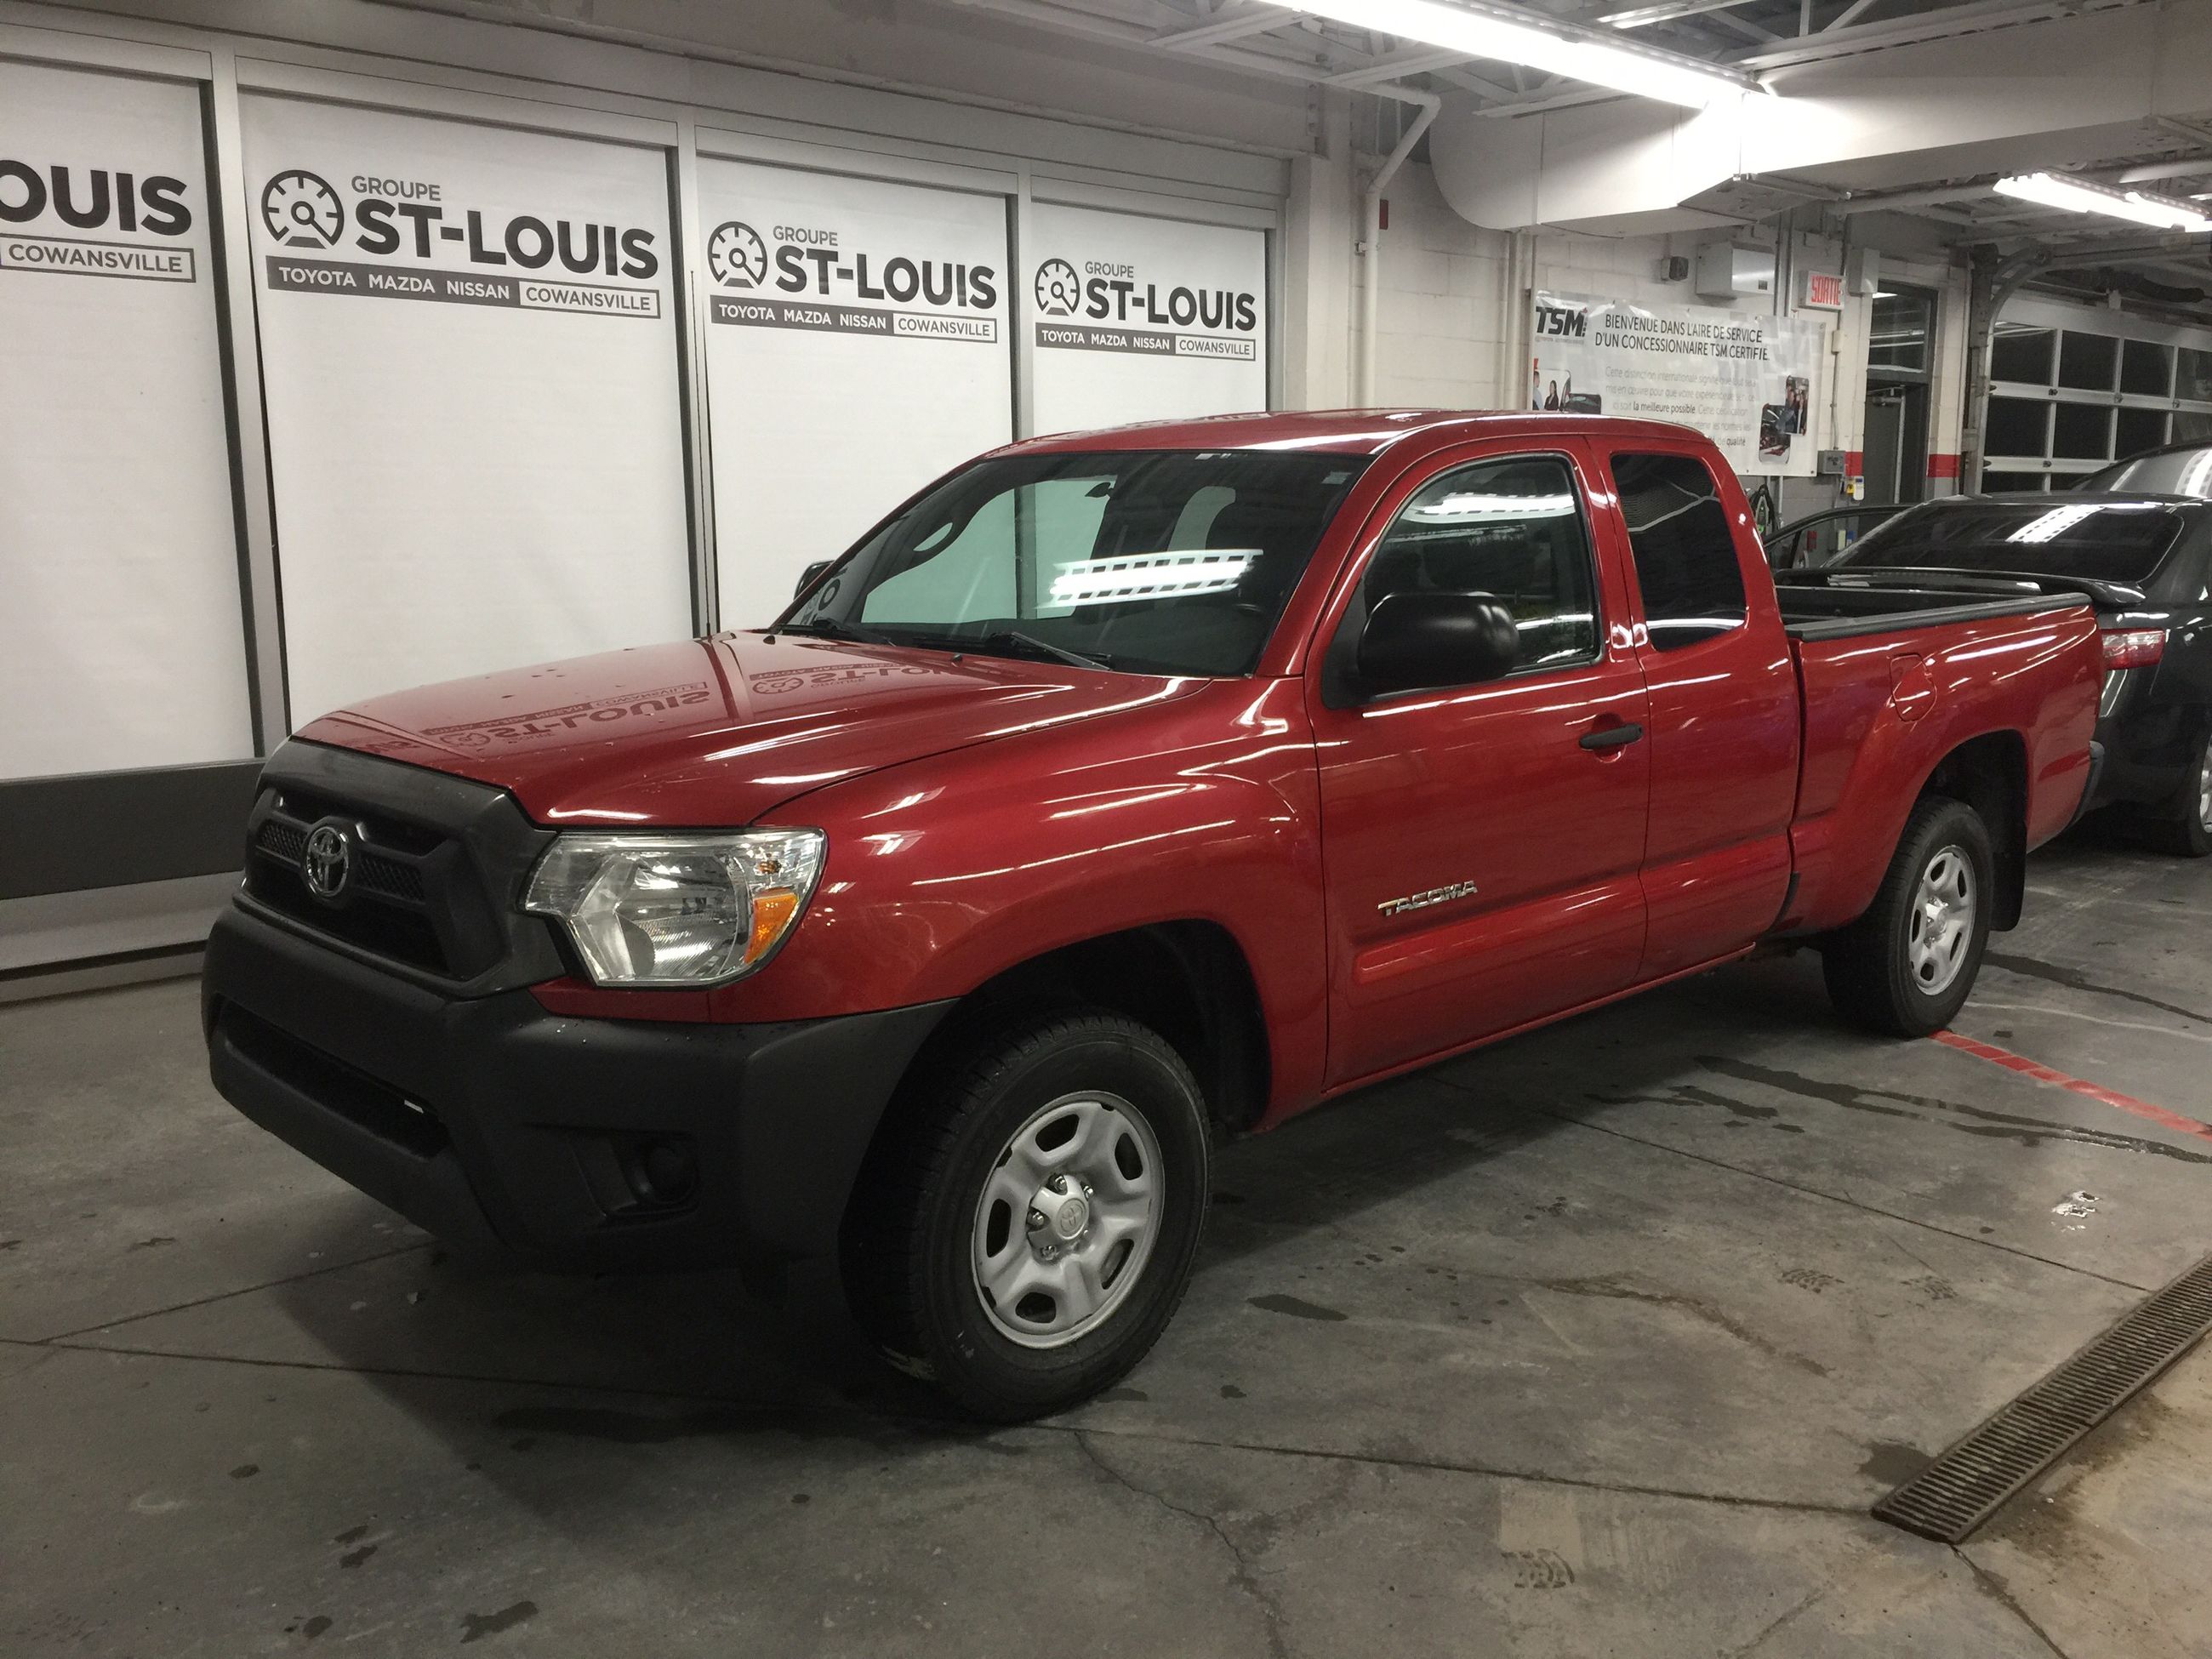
327, 864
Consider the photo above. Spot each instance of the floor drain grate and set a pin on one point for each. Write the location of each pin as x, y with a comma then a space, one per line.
1961, 1489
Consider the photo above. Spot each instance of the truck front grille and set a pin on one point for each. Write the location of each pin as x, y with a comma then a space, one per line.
434, 865
387, 908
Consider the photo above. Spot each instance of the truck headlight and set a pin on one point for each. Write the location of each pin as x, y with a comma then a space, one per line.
677, 909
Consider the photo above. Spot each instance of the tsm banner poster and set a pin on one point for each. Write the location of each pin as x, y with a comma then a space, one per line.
1145, 319
856, 348
120, 640
469, 359
1749, 382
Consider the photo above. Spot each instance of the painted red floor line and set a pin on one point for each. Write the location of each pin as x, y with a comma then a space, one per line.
2042, 1073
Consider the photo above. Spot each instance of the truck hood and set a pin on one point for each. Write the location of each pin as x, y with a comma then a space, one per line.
717, 732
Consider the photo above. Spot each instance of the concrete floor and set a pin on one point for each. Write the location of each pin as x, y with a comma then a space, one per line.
1600, 1342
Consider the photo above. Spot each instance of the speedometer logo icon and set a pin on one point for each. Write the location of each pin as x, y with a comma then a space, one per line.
737, 256
1059, 290
301, 210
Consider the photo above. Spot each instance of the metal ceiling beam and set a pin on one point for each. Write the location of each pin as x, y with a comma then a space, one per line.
1850, 14
1397, 64
1970, 19
1254, 20
1667, 11
1480, 85
1744, 26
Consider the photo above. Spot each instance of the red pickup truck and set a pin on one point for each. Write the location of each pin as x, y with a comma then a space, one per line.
1116, 794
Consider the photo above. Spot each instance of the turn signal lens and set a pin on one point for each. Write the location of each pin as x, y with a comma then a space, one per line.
677, 910
772, 914
2133, 648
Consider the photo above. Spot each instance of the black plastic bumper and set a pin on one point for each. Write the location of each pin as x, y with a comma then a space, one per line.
2093, 796
509, 1131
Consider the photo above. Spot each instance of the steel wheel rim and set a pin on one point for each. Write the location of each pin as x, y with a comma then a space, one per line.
1942, 927
1067, 1219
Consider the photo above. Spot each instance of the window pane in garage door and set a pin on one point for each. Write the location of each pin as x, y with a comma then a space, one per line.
476, 429
856, 348
120, 642
1145, 319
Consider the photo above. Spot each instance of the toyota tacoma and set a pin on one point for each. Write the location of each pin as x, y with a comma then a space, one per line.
1117, 794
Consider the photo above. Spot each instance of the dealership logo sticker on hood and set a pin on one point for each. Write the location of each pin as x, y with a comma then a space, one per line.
813, 276
423, 246
1113, 306
68, 197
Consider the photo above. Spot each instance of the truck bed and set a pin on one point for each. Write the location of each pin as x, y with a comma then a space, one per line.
1895, 678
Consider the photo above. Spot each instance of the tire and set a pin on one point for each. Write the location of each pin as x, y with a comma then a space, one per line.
1890, 976
2185, 826
1060, 1102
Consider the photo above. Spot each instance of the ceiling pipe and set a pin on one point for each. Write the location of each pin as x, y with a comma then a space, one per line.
1370, 245
1898, 200
2188, 169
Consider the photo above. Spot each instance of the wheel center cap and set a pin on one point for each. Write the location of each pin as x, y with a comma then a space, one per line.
1071, 1218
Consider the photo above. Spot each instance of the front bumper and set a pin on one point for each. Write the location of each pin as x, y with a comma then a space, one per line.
511, 1131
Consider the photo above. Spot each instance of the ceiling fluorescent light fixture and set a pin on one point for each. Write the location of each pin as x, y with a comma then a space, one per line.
2075, 196
1488, 34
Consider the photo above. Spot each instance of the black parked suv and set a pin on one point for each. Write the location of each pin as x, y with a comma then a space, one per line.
2146, 560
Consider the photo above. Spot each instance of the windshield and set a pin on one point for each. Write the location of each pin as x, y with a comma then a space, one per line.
2104, 541
2172, 472
1147, 561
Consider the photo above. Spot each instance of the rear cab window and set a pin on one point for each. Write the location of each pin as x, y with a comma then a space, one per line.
1686, 565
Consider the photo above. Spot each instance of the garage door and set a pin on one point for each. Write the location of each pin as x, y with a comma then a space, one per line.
476, 424
121, 645
856, 347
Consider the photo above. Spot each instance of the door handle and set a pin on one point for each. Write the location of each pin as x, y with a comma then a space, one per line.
1611, 737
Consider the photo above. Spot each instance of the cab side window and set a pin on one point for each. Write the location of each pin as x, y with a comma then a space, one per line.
1686, 557
1512, 529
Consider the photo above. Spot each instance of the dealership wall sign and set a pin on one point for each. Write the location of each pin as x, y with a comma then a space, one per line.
421, 248
858, 347
118, 548
1183, 321
1144, 319
470, 366
1745, 380
811, 277
151, 212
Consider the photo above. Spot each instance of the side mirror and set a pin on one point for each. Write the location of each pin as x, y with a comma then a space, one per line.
806, 576
1416, 640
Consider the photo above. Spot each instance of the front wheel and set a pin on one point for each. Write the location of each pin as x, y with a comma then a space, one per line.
1905, 967
1024, 1229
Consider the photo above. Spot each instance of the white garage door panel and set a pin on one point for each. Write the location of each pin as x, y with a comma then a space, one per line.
120, 639
470, 358
1145, 319
856, 347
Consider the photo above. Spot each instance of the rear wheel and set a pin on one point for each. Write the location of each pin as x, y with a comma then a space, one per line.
2185, 826
1025, 1228
1905, 967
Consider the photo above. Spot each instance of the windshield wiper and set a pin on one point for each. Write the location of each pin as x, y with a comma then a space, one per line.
836, 627
1030, 642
